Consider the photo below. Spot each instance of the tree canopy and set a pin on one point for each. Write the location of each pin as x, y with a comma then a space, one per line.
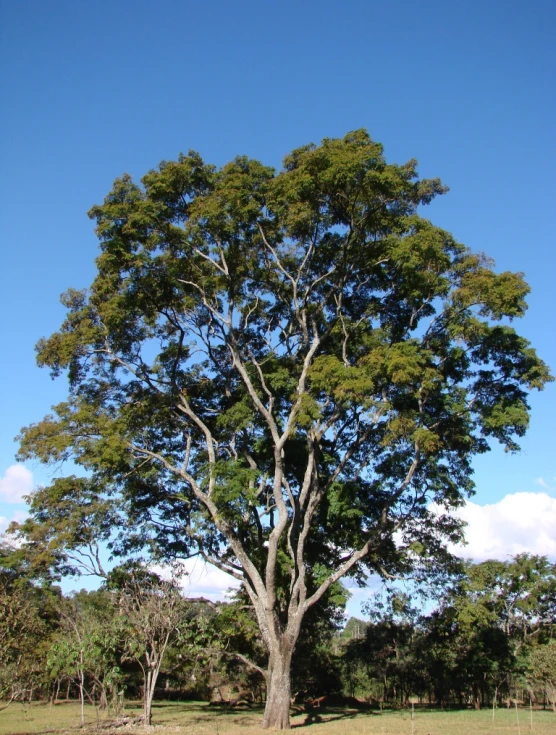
279, 372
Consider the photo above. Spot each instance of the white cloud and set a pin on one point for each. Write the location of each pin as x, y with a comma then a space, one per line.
203, 580
16, 483
520, 522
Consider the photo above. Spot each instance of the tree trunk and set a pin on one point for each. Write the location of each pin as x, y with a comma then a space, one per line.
148, 699
82, 695
278, 697
150, 685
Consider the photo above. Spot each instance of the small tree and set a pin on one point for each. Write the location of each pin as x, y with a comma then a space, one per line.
152, 610
279, 371
87, 648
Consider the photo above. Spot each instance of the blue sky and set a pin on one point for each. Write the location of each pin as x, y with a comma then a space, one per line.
90, 90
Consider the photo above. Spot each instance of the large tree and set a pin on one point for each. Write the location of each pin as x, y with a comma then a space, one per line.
279, 371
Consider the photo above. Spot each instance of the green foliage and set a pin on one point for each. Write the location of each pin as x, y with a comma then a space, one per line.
542, 669
88, 647
520, 595
542, 663
278, 371
27, 622
489, 636
331, 248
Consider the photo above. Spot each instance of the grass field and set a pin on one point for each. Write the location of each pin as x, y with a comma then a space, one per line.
197, 718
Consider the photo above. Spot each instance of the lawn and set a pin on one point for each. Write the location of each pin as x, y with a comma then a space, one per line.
197, 718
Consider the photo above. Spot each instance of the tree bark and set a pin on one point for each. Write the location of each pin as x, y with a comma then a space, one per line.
278, 698
82, 695
148, 699
150, 679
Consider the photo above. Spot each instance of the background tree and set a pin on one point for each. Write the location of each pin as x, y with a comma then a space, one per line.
382, 653
315, 665
464, 657
152, 610
519, 594
104, 633
502, 609
88, 648
23, 641
27, 623
474, 646
69, 522
280, 371
229, 641
542, 669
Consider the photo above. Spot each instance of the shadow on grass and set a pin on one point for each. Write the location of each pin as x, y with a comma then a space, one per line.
201, 713
317, 716
198, 713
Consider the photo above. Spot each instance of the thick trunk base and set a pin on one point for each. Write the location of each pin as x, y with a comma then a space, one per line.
277, 714
277, 709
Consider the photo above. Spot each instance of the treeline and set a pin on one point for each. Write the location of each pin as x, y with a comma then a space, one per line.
490, 638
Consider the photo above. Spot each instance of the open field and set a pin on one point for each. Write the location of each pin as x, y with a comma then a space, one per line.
197, 718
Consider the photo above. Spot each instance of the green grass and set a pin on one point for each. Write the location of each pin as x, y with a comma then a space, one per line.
197, 718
